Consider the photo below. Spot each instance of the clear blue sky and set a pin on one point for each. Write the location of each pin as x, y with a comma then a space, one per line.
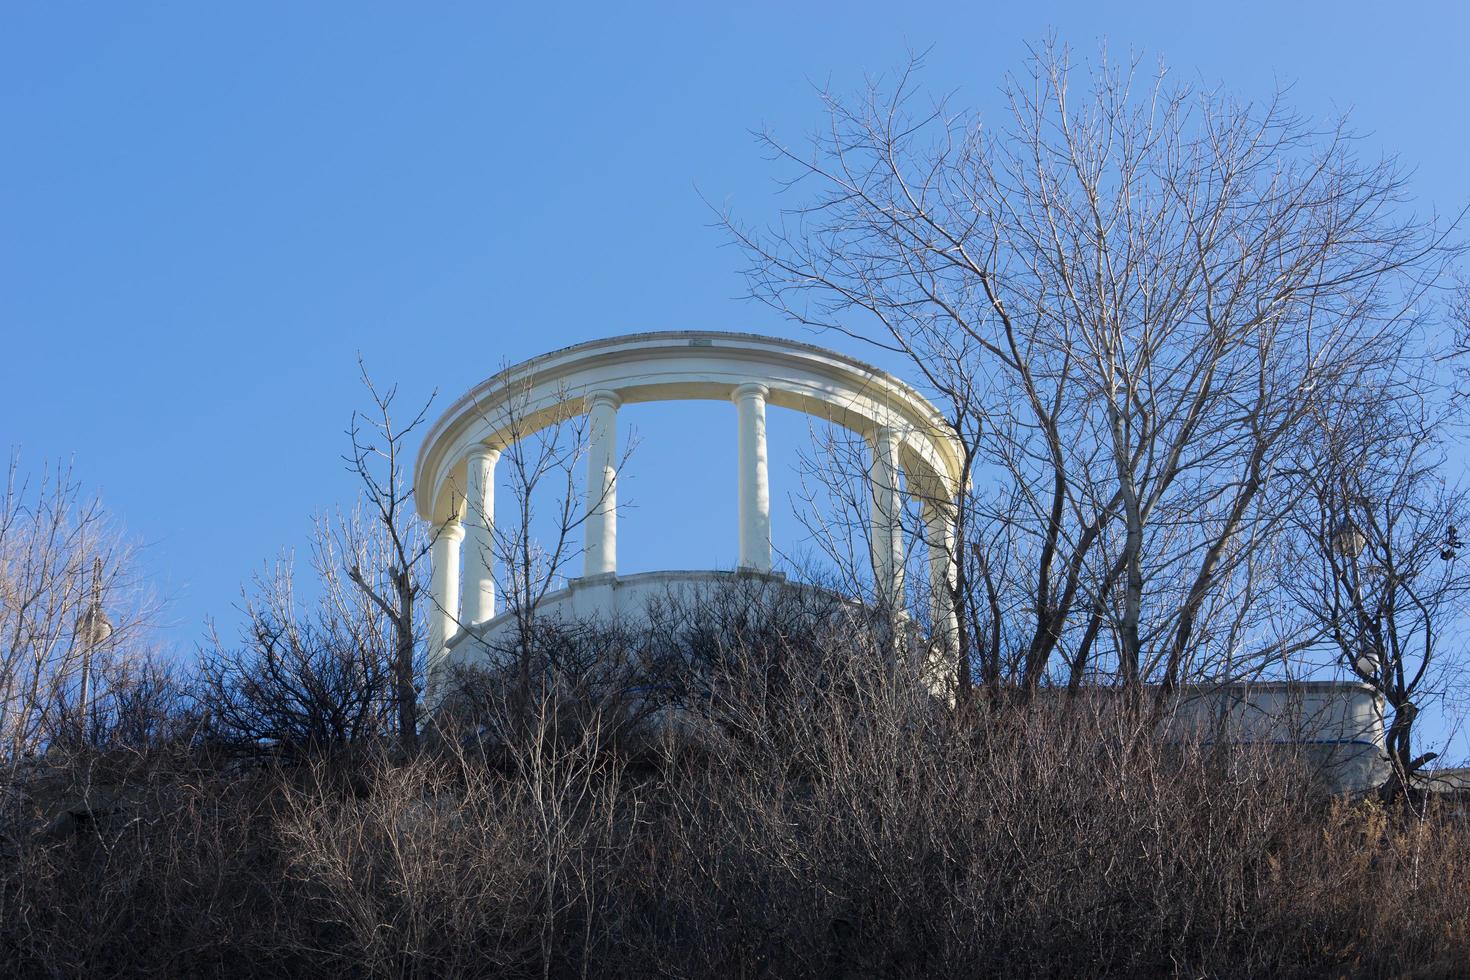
207, 209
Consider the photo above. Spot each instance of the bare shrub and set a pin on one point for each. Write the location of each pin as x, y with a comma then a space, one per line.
303, 678
797, 804
447, 868
557, 680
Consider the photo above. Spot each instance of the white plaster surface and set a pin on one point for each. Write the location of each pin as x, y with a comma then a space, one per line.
622, 599
1339, 724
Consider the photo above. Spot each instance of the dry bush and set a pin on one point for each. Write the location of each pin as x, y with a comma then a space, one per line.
842, 824
564, 682
449, 869
180, 882
305, 676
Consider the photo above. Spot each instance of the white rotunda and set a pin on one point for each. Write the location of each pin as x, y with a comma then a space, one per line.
455, 472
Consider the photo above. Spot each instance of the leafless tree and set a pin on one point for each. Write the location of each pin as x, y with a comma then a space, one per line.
1128, 303
342, 666
385, 552
74, 616
535, 539
545, 468
1376, 559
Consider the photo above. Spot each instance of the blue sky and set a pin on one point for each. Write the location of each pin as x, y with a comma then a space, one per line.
206, 210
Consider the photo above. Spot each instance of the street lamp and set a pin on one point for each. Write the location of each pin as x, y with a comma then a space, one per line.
93, 629
1347, 539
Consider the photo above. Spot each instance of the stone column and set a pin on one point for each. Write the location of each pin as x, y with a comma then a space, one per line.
755, 489
887, 530
939, 536
477, 585
443, 595
601, 551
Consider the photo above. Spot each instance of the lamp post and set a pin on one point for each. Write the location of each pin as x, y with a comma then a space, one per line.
93, 629
1349, 541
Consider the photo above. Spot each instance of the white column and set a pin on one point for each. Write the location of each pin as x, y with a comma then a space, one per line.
477, 585
887, 530
443, 594
939, 535
755, 489
601, 551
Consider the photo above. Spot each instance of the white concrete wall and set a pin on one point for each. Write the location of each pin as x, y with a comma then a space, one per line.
622, 599
1287, 711
1340, 725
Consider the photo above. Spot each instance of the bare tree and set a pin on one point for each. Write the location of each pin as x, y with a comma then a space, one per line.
73, 615
385, 551
546, 476
1128, 303
1376, 561
342, 666
533, 544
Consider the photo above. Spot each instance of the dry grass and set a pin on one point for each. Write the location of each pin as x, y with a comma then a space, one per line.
818, 830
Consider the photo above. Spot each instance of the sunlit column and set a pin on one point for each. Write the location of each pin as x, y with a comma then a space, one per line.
477, 585
887, 530
939, 536
755, 489
443, 593
601, 552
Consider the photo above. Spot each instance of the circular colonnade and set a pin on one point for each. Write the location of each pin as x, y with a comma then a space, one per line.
454, 477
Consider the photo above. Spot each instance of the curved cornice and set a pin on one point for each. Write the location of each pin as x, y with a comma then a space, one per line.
683, 365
